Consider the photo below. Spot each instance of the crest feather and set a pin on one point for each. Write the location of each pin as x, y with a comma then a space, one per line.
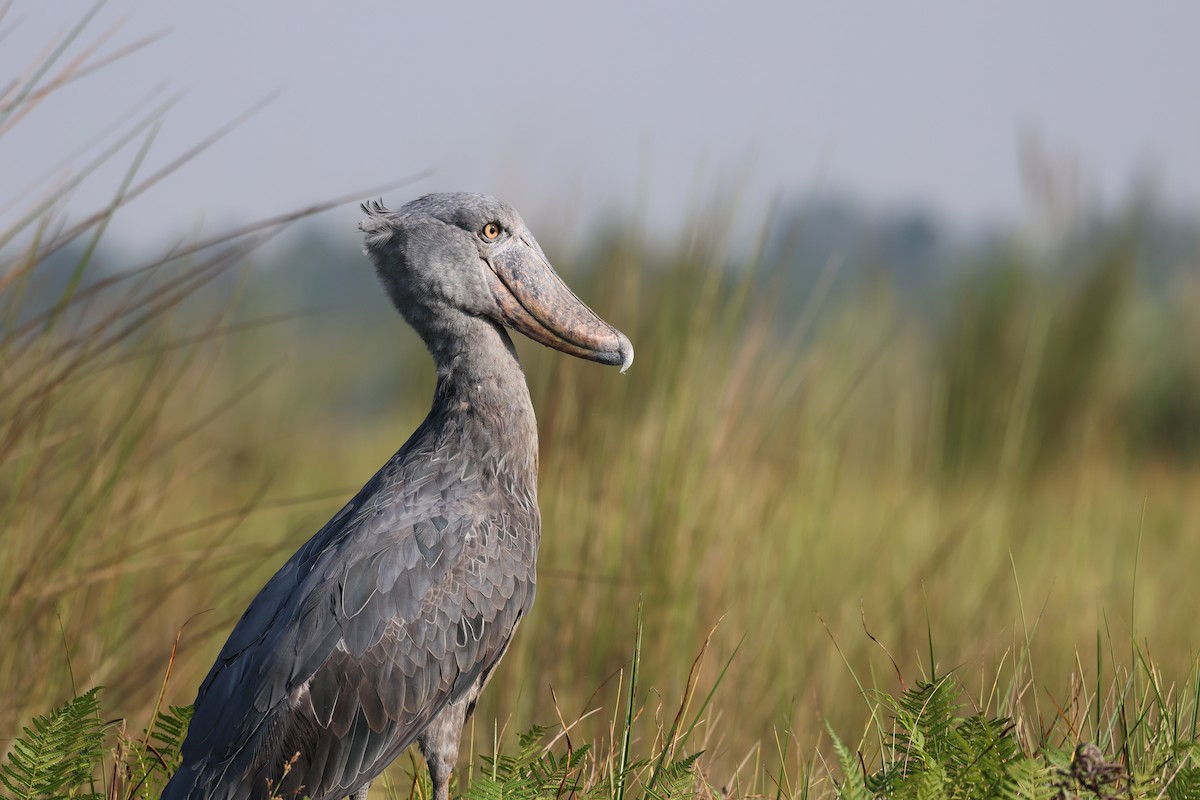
376, 227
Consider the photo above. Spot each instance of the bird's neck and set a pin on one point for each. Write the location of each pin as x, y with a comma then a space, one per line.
482, 396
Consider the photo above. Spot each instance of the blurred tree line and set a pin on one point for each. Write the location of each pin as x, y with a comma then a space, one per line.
1093, 332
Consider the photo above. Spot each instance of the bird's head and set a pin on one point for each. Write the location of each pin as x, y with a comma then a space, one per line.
469, 253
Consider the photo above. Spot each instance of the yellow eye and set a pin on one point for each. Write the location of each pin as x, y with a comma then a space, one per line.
490, 231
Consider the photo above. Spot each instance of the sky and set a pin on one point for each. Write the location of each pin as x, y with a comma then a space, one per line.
577, 112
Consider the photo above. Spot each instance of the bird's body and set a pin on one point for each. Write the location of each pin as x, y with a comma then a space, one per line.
383, 629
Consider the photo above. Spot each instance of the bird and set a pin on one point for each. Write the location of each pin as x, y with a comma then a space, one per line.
383, 629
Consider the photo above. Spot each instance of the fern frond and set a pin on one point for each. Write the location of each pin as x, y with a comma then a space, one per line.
1185, 785
675, 780
149, 763
530, 774
854, 785
56, 757
169, 730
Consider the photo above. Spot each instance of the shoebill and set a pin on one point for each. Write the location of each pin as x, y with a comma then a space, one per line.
382, 630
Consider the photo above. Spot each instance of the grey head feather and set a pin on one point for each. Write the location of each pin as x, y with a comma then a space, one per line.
375, 227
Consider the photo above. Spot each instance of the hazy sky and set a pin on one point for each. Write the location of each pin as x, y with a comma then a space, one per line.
566, 109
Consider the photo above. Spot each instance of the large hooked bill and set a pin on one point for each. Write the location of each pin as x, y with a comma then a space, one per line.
534, 300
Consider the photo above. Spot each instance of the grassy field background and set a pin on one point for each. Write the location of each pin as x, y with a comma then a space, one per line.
1002, 472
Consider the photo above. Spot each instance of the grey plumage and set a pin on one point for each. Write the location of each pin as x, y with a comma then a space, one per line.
384, 627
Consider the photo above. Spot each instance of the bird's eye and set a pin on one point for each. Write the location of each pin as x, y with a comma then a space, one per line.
490, 231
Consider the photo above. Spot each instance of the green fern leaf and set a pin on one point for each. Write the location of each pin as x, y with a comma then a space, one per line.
57, 756
149, 762
170, 729
853, 785
1185, 785
676, 780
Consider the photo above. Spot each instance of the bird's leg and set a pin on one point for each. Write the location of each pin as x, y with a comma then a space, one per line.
361, 794
439, 744
439, 773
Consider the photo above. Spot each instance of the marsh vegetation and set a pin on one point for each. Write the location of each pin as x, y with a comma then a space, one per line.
983, 502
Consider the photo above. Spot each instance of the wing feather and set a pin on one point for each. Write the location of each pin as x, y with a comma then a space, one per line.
397, 606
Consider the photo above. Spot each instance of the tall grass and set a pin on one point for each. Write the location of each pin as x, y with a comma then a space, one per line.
114, 505
1117, 733
793, 481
